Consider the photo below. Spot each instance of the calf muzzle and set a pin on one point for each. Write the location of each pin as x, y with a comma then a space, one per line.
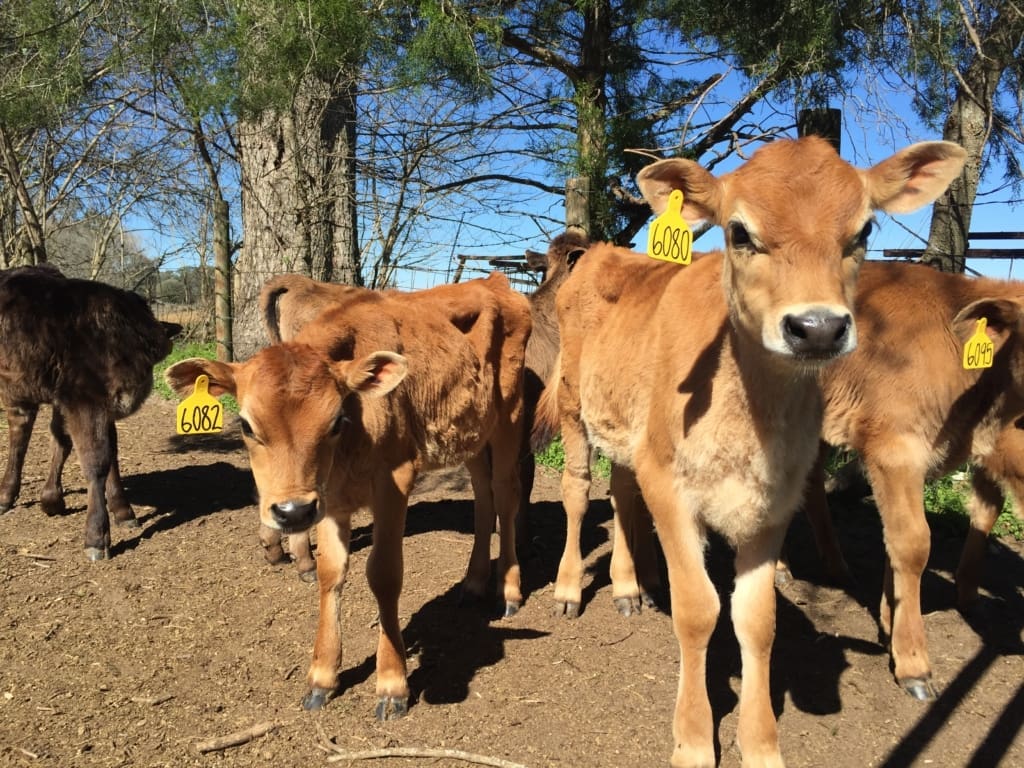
817, 334
293, 516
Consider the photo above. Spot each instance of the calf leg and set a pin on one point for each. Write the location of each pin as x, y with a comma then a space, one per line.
505, 486
818, 515
384, 570
270, 540
90, 433
753, 618
575, 500
900, 498
985, 505
479, 568
333, 536
52, 497
633, 568
300, 550
20, 420
695, 608
117, 501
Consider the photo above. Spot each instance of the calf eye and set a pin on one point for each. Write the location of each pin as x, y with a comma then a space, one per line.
738, 236
338, 424
246, 428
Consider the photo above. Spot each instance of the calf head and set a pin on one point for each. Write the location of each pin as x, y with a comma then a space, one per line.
796, 220
299, 411
1004, 325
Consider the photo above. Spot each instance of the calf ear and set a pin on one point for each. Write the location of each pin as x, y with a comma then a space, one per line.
702, 192
914, 176
181, 377
374, 375
1002, 318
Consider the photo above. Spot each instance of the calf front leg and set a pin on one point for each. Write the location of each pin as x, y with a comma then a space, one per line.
20, 420
634, 568
899, 494
333, 536
384, 572
90, 433
695, 608
753, 618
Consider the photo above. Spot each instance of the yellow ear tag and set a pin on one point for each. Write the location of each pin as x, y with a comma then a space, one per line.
200, 412
979, 349
669, 238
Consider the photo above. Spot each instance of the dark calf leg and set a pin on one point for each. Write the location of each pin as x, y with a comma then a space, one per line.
117, 502
299, 549
52, 497
20, 420
90, 434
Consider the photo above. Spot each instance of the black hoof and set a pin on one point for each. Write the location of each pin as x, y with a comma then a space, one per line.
309, 577
391, 708
569, 610
53, 508
95, 554
5, 508
315, 699
627, 606
920, 688
782, 577
647, 599
131, 522
511, 608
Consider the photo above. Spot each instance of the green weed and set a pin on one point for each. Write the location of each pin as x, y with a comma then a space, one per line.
554, 457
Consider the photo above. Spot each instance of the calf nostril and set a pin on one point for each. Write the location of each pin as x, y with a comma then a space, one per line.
816, 331
294, 514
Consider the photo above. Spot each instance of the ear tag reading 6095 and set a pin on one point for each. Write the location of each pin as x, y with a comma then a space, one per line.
200, 412
670, 238
979, 349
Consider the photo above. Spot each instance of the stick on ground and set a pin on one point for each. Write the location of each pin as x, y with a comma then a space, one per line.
237, 738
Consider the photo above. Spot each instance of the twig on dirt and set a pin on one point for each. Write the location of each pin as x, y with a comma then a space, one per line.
237, 738
26, 753
152, 700
616, 642
455, 754
35, 555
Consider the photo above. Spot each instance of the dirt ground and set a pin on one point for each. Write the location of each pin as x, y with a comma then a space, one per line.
186, 634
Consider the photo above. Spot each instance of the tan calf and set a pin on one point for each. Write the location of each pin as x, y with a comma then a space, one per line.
905, 403
345, 416
703, 382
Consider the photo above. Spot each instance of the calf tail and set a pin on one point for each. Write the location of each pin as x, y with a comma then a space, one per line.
546, 418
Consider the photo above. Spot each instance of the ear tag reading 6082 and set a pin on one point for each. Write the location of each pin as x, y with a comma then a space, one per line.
670, 238
979, 349
200, 412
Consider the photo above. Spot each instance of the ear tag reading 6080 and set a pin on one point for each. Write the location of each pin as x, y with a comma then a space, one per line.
670, 238
979, 349
200, 412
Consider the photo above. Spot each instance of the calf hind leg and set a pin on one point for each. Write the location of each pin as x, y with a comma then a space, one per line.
117, 501
90, 434
20, 420
52, 497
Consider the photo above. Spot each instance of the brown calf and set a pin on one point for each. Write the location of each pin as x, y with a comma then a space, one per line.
905, 403
288, 302
88, 349
345, 415
702, 382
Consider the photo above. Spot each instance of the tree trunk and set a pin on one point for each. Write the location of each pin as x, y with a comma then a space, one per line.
298, 199
969, 124
222, 281
32, 226
591, 98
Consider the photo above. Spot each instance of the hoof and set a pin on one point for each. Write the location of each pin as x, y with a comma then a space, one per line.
315, 699
131, 522
309, 577
647, 600
627, 606
920, 688
782, 577
5, 508
95, 554
391, 708
511, 608
567, 609
54, 507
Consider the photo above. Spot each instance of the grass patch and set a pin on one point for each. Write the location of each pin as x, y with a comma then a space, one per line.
207, 350
554, 457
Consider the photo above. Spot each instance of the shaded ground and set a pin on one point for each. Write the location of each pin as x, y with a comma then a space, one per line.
187, 634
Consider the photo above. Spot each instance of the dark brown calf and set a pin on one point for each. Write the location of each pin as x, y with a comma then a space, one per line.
88, 349
345, 416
